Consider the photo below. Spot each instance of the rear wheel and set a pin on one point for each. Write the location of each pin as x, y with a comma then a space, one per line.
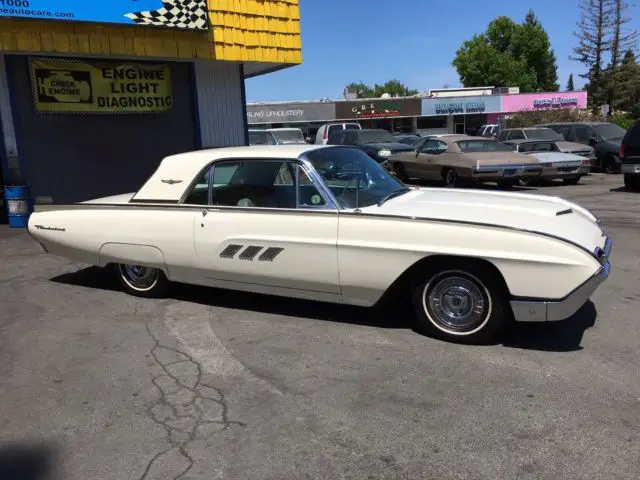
142, 281
460, 303
398, 169
631, 182
526, 181
571, 181
450, 177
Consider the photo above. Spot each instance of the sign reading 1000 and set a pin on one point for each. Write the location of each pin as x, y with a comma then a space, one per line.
15, 3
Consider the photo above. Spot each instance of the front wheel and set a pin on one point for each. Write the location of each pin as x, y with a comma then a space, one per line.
463, 304
142, 281
400, 172
526, 181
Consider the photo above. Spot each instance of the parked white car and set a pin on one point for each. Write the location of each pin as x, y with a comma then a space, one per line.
326, 130
328, 223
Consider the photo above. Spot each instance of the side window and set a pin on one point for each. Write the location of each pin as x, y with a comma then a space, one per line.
525, 147
581, 133
430, 146
199, 194
263, 184
308, 194
516, 135
441, 147
543, 147
562, 130
418, 145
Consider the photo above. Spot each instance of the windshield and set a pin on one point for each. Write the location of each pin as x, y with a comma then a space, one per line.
288, 136
469, 146
376, 136
542, 134
354, 178
609, 131
259, 138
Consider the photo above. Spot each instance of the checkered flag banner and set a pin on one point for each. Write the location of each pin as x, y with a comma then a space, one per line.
184, 14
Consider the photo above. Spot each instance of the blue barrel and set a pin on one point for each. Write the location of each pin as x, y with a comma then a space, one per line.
19, 205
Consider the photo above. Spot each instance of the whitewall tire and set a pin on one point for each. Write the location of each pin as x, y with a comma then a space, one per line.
462, 304
142, 281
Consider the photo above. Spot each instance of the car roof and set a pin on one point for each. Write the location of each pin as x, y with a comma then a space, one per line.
528, 140
183, 167
457, 137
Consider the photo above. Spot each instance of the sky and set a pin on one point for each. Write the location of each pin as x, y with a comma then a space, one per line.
412, 40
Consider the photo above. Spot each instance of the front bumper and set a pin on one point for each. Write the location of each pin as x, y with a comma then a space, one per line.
555, 310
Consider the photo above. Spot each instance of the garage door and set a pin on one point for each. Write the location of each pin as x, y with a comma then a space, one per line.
71, 158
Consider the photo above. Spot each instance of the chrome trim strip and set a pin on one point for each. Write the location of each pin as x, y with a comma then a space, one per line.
466, 222
556, 310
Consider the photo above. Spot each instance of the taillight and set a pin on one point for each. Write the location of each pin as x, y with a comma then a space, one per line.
586, 163
621, 150
326, 134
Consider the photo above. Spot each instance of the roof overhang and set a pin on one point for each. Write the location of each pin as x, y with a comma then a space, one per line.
254, 69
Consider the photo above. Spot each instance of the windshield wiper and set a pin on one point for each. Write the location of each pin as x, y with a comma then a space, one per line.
394, 194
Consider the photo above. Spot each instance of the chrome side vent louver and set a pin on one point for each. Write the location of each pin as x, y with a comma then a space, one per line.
270, 254
230, 251
249, 253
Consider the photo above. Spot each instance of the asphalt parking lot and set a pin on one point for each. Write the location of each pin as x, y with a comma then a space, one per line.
219, 385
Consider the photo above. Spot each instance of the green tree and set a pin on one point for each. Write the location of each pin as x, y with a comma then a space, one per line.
392, 87
570, 86
594, 29
509, 54
627, 83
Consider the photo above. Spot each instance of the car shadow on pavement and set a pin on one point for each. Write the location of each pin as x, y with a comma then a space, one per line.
562, 336
622, 189
19, 461
383, 317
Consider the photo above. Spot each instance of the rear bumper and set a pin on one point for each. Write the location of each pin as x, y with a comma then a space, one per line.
555, 310
555, 172
633, 168
501, 172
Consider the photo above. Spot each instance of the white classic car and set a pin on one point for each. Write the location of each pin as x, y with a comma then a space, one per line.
328, 223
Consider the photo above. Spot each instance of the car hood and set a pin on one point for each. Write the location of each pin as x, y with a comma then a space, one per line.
557, 157
393, 146
500, 158
534, 213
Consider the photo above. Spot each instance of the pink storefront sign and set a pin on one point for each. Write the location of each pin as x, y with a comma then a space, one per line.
544, 101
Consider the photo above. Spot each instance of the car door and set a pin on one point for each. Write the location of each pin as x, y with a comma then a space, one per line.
427, 162
266, 227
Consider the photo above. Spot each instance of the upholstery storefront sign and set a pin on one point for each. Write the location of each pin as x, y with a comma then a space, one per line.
461, 106
290, 112
180, 14
378, 108
100, 87
544, 101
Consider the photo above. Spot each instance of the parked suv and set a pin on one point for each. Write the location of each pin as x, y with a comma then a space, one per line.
510, 135
325, 131
604, 137
630, 155
377, 143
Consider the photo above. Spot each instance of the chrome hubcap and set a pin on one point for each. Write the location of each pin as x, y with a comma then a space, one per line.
456, 303
138, 276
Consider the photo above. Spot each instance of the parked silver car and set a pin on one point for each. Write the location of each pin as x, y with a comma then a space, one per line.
568, 167
542, 133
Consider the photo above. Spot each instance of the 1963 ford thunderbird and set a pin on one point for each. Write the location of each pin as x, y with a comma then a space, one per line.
328, 223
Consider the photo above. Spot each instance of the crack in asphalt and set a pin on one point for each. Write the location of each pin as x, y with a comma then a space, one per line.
188, 409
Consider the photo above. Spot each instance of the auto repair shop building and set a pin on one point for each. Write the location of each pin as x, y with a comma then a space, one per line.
93, 97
